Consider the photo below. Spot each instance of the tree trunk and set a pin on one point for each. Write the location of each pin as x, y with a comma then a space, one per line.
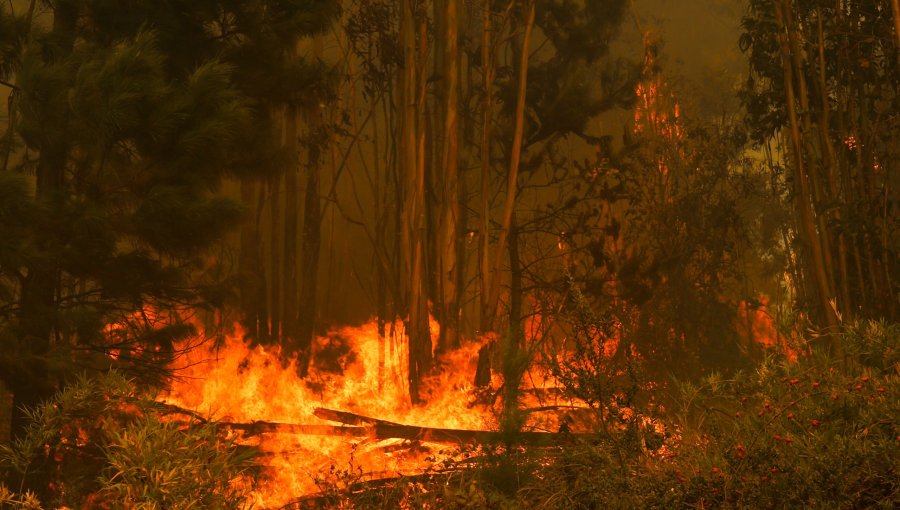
290, 333
275, 268
413, 223
803, 195
514, 158
843, 282
513, 355
39, 289
448, 291
253, 283
312, 240
487, 63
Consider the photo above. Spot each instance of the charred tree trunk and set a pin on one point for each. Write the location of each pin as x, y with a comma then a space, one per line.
253, 281
514, 360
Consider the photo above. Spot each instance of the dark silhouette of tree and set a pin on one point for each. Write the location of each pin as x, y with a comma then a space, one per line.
130, 115
824, 81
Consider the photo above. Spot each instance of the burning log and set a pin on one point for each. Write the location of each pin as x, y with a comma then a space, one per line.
265, 427
346, 418
381, 429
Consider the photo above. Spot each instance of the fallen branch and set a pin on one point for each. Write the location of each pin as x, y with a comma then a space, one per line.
267, 427
381, 429
385, 429
346, 418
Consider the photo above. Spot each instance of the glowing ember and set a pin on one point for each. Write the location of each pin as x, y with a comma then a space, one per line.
239, 383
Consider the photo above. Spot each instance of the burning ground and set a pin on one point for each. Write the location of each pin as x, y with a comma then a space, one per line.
358, 372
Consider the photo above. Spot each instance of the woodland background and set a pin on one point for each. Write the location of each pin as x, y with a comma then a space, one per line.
515, 168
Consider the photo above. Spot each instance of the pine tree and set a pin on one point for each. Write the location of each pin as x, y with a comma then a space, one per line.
131, 114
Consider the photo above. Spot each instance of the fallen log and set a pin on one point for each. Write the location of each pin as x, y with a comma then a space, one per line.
380, 429
265, 427
385, 429
346, 417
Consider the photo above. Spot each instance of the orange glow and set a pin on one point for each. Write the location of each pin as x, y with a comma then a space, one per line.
239, 383
759, 326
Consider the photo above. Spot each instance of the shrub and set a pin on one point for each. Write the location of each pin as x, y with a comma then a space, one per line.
100, 444
818, 432
13, 501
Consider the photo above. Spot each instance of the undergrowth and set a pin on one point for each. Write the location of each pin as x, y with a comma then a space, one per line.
819, 432
814, 433
99, 443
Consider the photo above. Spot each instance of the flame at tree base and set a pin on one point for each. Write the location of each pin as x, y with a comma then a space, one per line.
363, 373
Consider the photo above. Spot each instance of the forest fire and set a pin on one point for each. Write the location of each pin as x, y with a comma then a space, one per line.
240, 383
313, 429
627, 254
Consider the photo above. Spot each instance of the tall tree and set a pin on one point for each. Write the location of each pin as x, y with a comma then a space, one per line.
128, 129
827, 75
412, 163
291, 272
449, 238
316, 141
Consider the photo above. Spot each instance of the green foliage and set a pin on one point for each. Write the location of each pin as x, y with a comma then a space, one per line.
813, 433
103, 442
671, 235
571, 81
585, 369
839, 61
131, 114
818, 431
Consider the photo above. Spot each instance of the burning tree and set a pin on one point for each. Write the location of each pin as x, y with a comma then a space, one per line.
667, 233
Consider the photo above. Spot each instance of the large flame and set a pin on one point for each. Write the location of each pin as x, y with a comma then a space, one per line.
359, 371
239, 383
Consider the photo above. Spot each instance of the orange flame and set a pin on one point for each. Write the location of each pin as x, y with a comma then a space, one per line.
760, 327
240, 383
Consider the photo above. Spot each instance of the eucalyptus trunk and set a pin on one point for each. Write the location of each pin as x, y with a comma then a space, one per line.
289, 326
412, 163
486, 314
514, 159
448, 264
803, 194
312, 241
